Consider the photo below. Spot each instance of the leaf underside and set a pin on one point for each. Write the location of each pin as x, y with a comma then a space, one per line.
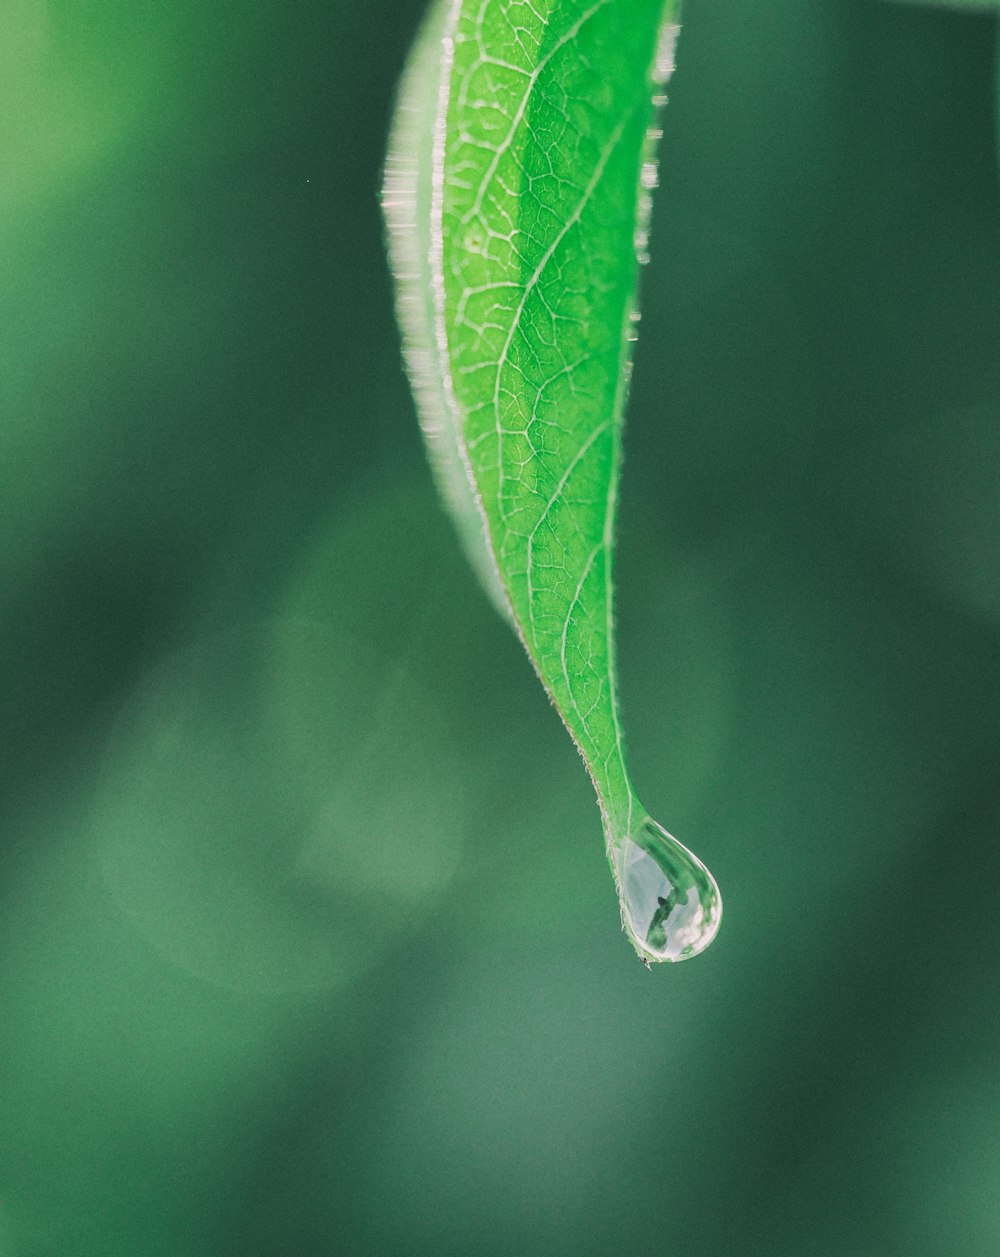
517, 196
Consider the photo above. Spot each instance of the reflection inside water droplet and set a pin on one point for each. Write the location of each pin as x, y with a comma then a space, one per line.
670, 902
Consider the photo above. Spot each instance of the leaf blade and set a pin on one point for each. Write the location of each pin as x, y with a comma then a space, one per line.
540, 175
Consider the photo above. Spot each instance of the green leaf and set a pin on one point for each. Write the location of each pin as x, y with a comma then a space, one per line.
517, 196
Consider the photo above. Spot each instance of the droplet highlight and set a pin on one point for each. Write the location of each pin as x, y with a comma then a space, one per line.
670, 902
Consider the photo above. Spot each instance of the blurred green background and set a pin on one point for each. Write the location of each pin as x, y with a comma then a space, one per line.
307, 939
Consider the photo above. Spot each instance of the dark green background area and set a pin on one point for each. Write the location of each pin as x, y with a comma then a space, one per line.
307, 940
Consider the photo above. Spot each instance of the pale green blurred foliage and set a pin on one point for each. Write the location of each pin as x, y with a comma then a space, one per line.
275, 807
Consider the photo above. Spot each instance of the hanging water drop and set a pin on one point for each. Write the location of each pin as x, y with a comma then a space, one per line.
670, 902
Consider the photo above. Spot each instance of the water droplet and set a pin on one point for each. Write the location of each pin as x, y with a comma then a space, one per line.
670, 902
